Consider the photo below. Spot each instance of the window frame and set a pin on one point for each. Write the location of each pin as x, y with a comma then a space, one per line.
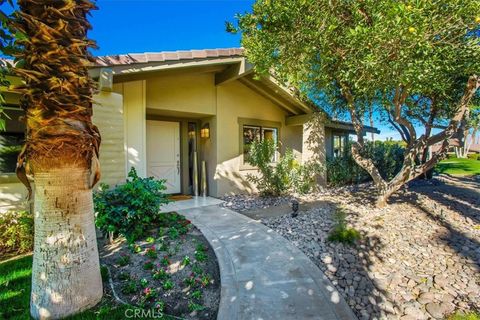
342, 140
261, 124
10, 177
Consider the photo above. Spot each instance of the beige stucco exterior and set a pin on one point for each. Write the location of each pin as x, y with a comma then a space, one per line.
214, 93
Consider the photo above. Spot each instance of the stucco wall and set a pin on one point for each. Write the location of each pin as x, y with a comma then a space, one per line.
108, 116
191, 93
234, 101
134, 108
12, 194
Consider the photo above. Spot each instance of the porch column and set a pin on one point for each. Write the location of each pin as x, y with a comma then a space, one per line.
313, 146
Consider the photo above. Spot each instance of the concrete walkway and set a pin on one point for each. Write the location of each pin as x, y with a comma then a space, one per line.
263, 275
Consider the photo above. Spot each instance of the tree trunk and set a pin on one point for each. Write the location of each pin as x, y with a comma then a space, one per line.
65, 273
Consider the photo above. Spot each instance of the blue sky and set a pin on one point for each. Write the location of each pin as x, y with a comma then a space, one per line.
126, 26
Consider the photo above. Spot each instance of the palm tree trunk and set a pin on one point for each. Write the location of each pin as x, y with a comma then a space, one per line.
65, 277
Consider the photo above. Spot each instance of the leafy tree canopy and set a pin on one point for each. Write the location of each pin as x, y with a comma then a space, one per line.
415, 60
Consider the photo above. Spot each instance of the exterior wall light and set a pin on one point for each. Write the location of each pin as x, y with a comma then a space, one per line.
205, 131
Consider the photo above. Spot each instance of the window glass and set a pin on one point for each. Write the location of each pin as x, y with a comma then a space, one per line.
11, 140
252, 133
338, 146
271, 134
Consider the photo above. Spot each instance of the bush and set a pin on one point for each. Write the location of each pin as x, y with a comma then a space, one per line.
131, 208
340, 232
16, 232
473, 156
285, 175
386, 155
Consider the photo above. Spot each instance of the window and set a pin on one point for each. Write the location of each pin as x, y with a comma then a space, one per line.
12, 139
257, 133
338, 145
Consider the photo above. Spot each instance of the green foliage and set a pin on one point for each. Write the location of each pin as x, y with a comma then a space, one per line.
186, 261
123, 260
15, 286
386, 155
151, 252
459, 166
192, 306
473, 156
197, 294
465, 316
124, 276
341, 232
148, 265
130, 287
104, 273
369, 45
160, 274
131, 208
16, 232
167, 285
200, 256
285, 175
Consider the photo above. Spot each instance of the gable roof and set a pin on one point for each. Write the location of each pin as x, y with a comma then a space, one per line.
164, 56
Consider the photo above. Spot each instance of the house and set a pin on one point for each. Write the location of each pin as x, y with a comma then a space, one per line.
155, 111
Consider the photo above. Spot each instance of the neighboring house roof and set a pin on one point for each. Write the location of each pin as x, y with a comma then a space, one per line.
344, 125
474, 147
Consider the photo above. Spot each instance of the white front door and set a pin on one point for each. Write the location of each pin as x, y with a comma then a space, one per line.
163, 153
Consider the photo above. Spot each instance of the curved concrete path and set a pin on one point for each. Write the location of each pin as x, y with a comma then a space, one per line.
263, 275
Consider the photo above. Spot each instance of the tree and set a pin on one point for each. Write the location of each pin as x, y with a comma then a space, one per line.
60, 153
470, 133
414, 60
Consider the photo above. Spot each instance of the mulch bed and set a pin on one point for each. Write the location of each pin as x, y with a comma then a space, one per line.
172, 269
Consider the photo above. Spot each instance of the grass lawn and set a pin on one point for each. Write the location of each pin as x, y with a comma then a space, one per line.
15, 284
456, 166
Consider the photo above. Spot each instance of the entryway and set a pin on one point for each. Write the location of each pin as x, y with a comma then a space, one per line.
163, 153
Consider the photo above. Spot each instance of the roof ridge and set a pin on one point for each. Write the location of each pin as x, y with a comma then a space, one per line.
162, 56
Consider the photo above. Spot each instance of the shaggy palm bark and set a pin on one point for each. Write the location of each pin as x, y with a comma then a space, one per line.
60, 154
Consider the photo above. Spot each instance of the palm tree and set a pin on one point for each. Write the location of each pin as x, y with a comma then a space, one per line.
60, 154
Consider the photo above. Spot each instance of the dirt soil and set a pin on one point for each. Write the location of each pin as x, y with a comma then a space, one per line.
178, 301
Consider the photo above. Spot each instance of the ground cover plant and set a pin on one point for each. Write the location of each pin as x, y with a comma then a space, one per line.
170, 268
16, 233
15, 286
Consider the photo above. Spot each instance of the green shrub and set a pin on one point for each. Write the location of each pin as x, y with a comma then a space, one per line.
465, 316
473, 156
131, 208
285, 175
16, 232
386, 155
341, 232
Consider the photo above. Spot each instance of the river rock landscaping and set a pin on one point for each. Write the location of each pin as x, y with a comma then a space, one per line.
171, 269
418, 258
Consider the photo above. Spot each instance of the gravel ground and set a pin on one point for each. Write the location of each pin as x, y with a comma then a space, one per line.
419, 258
242, 203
